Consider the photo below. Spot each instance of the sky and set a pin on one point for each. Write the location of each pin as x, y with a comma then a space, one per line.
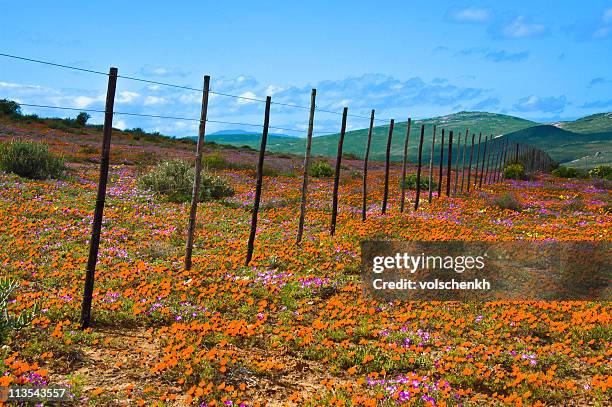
540, 60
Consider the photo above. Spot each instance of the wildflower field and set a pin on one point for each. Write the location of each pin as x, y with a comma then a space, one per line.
293, 327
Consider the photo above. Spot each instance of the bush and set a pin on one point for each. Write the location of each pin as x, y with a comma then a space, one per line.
515, 171
82, 118
9, 322
174, 179
350, 156
508, 201
567, 172
9, 107
411, 182
602, 172
321, 169
60, 126
30, 160
215, 161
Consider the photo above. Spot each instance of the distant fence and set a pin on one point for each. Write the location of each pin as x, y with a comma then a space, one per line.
486, 160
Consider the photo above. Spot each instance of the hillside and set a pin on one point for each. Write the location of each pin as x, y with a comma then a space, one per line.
596, 123
355, 140
566, 146
589, 137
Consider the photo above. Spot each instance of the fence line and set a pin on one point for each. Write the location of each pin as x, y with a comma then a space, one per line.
494, 155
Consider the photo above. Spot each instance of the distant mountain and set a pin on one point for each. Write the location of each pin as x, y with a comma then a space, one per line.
565, 141
566, 146
276, 142
251, 139
596, 123
236, 131
355, 140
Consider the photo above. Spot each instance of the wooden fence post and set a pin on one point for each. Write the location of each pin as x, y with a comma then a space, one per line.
477, 160
505, 157
517, 153
332, 227
404, 163
431, 163
463, 159
450, 163
313, 96
469, 177
494, 148
195, 194
491, 147
441, 164
260, 164
96, 228
457, 165
496, 161
418, 179
387, 165
484, 158
505, 160
365, 169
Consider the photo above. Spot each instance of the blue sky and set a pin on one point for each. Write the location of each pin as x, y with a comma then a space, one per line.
527, 58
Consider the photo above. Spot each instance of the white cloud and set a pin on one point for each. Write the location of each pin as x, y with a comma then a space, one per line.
247, 94
607, 15
341, 104
520, 28
81, 102
154, 100
602, 32
391, 97
127, 96
535, 103
120, 124
272, 89
192, 98
15, 85
162, 71
471, 15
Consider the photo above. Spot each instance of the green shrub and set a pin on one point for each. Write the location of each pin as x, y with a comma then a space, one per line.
602, 172
321, 169
174, 179
60, 126
508, 201
82, 118
10, 322
9, 107
411, 182
514, 171
30, 160
215, 161
350, 156
567, 172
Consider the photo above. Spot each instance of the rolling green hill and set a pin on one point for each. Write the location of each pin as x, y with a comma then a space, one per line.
355, 140
589, 137
566, 146
596, 123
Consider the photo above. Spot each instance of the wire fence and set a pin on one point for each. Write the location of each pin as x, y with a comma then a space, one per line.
497, 153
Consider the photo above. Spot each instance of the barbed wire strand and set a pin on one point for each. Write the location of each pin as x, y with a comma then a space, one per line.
163, 117
252, 99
